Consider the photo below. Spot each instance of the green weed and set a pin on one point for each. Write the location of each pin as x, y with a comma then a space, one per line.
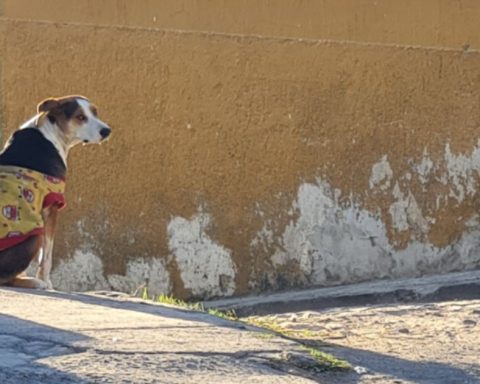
328, 360
304, 337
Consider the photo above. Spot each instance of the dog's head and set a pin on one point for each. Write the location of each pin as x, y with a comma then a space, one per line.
76, 118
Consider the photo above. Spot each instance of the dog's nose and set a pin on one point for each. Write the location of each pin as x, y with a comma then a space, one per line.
105, 132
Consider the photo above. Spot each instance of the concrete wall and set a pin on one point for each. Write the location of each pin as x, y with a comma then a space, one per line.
444, 23
248, 163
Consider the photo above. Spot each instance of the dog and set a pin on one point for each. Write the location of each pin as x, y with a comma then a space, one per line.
33, 166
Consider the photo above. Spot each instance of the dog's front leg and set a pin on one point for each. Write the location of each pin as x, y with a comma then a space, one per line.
50, 219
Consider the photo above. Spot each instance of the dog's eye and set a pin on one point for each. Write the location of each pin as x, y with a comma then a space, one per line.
82, 117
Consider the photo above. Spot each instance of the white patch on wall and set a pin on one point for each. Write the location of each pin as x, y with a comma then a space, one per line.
206, 268
83, 272
334, 244
150, 272
425, 168
406, 214
424, 258
398, 210
462, 172
382, 174
264, 238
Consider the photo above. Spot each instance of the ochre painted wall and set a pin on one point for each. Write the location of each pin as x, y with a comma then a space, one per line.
248, 163
444, 23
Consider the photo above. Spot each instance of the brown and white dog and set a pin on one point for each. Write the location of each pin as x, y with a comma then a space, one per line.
36, 155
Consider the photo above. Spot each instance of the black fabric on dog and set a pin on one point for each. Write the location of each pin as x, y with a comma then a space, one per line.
28, 148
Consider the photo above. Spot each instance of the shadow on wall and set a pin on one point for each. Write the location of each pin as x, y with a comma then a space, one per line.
23, 342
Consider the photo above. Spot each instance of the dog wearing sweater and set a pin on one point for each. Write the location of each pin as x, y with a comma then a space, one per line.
33, 167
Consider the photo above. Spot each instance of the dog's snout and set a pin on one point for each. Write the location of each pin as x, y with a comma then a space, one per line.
105, 132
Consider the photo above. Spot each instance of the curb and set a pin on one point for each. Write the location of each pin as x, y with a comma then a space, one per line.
461, 285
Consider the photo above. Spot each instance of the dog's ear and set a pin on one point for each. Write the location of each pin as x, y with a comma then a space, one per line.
47, 105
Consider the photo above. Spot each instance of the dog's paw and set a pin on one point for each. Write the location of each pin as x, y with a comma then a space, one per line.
45, 285
28, 282
49, 285
40, 284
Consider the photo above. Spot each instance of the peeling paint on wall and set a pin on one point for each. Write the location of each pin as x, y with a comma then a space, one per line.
83, 272
336, 244
382, 174
264, 238
462, 172
326, 242
333, 244
405, 212
206, 267
424, 169
457, 171
150, 273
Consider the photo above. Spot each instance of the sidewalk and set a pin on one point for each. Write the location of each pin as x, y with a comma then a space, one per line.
426, 331
423, 330
49, 337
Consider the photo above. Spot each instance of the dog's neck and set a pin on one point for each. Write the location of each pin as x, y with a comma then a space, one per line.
51, 133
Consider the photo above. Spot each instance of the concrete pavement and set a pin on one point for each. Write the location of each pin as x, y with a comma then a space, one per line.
425, 334
50, 337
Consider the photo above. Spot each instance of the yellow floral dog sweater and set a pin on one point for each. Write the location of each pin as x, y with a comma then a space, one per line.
23, 195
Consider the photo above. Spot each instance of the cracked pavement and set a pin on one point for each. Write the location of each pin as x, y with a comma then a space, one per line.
430, 343
420, 330
52, 337
429, 334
